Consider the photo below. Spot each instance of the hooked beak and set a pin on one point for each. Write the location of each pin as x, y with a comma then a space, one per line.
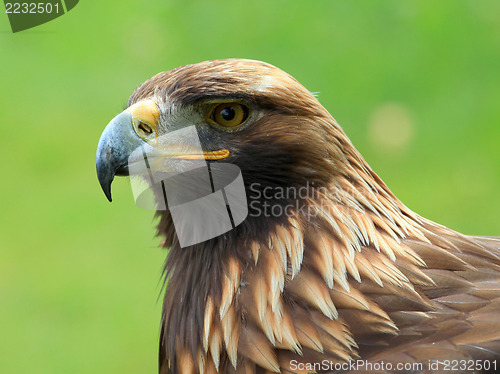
136, 128
116, 144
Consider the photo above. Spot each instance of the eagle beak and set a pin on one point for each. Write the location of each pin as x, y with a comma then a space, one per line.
136, 128
116, 144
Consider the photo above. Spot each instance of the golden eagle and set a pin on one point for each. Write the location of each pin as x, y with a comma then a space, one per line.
347, 274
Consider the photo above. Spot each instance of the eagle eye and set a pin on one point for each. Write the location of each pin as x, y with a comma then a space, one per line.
229, 114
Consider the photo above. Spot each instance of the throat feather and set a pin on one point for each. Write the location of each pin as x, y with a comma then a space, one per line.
224, 301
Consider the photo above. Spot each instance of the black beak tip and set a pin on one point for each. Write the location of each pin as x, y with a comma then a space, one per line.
106, 187
105, 176
108, 194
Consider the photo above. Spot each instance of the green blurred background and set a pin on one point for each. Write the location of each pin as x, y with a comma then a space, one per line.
415, 84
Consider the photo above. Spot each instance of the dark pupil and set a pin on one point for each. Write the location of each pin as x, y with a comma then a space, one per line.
227, 113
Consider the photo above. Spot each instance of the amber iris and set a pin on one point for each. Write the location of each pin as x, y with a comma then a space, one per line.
229, 114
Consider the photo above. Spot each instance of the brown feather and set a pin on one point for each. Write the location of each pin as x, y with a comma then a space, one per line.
255, 347
307, 334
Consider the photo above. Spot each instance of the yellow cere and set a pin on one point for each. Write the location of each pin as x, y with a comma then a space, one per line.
145, 116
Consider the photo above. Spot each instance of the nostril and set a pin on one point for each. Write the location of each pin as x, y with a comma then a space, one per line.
145, 128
